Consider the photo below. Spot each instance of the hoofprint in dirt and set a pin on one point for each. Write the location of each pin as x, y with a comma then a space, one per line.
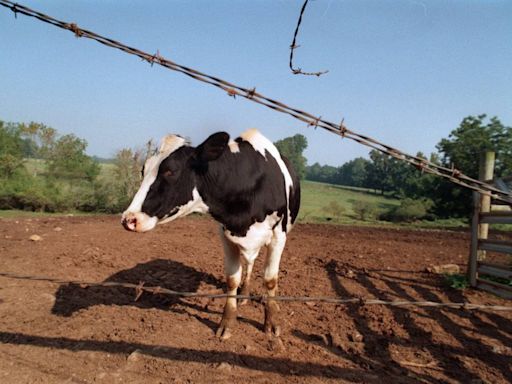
51, 333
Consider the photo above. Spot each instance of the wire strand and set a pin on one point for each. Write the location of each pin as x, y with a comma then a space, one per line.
141, 288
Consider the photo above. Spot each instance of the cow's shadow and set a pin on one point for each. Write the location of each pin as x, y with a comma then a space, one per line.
164, 273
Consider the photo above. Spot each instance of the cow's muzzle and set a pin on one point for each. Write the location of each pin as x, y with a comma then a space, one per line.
138, 221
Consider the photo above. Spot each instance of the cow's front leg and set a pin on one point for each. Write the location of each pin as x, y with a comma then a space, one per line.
246, 286
275, 249
233, 271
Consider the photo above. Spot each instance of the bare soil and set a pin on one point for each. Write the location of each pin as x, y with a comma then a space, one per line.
69, 333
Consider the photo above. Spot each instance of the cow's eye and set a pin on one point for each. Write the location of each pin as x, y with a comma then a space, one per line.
167, 173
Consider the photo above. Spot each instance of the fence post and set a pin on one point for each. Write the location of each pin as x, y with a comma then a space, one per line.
485, 173
473, 252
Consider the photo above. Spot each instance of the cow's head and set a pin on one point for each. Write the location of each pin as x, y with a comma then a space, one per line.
169, 185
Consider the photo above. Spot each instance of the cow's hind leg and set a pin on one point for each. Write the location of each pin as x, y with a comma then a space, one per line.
275, 249
233, 271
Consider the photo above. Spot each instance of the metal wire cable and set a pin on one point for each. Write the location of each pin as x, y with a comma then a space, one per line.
141, 288
294, 46
452, 174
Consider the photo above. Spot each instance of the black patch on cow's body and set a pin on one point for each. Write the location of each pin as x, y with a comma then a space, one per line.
243, 188
239, 188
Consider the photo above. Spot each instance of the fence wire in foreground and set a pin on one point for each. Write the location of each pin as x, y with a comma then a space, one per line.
452, 174
141, 288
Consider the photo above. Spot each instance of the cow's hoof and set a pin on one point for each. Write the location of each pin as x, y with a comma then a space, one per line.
223, 333
226, 324
271, 326
273, 330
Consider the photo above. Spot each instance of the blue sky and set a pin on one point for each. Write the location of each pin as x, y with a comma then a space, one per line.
405, 72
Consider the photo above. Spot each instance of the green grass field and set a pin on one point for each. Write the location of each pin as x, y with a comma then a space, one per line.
38, 167
317, 198
320, 202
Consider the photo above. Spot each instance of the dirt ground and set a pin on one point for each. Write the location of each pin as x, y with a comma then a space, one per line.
67, 333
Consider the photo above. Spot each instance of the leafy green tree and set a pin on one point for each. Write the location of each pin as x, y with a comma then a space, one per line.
378, 176
11, 149
413, 183
474, 136
67, 159
463, 147
29, 133
353, 172
46, 137
292, 148
321, 173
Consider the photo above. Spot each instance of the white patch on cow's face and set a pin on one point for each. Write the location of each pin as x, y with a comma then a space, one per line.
169, 144
261, 144
195, 205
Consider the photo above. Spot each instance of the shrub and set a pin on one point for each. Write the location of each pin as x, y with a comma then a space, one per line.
333, 210
457, 281
409, 210
25, 192
364, 210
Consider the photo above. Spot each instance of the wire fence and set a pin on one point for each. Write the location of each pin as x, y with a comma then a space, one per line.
140, 288
452, 174
294, 46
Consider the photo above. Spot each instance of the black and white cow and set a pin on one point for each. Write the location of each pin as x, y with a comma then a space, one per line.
244, 184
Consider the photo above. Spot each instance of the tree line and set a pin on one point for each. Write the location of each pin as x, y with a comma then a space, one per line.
41, 169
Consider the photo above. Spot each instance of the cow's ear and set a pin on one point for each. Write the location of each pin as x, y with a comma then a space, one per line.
212, 147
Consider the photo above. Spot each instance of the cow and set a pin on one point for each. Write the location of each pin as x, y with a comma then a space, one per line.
245, 185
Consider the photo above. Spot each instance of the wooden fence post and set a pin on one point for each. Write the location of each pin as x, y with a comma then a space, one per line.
485, 173
473, 251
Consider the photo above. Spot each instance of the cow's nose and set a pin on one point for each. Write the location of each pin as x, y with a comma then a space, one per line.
129, 222
138, 221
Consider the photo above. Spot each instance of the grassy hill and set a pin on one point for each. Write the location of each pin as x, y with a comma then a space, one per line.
334, 203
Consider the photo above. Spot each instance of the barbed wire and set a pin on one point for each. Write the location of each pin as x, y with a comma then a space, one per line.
141, 288
294, 46
452, 174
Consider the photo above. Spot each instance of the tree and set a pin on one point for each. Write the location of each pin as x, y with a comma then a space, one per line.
321, 173
11, 149
413, 183
462, 149
67, 159
292, 148
378, 175
353, 172
474, 136
128, 167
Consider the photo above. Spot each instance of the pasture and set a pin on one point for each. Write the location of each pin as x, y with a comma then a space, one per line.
55, 333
